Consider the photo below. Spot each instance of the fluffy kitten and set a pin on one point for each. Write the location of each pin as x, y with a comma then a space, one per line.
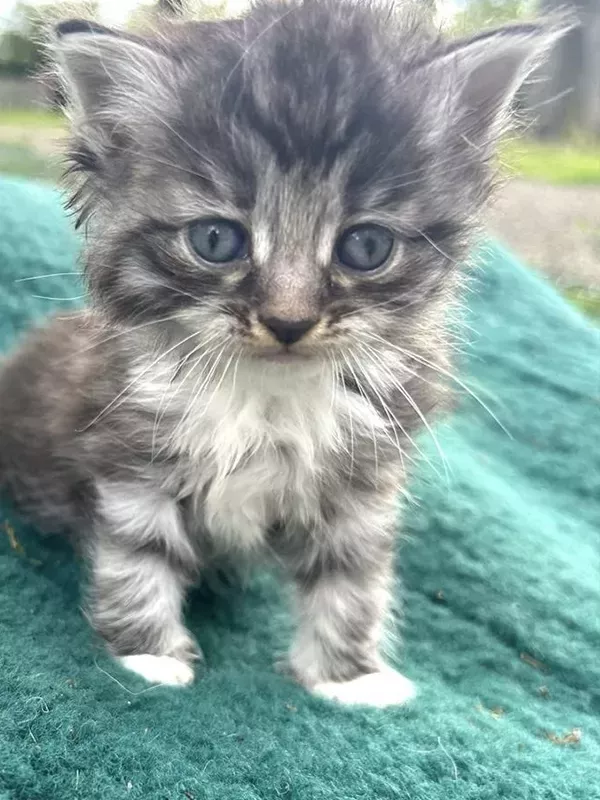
275, 209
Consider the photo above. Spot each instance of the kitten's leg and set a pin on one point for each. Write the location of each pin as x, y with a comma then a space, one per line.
343, 594
141, 565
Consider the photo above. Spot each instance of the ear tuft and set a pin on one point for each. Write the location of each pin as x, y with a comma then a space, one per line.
101, 68
487, 70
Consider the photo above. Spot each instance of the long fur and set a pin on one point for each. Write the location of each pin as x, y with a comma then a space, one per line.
164, 425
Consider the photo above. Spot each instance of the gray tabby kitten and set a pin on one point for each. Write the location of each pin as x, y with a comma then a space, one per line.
275, 208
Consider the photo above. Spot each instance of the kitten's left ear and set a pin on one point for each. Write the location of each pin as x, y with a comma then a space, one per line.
483, 74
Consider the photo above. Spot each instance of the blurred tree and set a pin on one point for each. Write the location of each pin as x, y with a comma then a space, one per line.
567, 101
200, 9
563, 96
20, 53
480, 14
430, 7
172, 8
142, 17
146, 16
22, 42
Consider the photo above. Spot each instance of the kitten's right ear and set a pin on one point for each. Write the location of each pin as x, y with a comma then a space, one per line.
99, 66
480, 76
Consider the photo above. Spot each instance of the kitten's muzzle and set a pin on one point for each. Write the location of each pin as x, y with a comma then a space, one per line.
287, 331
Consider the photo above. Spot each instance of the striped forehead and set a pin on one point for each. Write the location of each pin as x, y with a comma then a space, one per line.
296, 215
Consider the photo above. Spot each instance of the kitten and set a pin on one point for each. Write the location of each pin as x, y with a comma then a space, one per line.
275, 211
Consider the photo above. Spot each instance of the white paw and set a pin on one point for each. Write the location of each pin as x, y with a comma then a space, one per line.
378, 689
159, 669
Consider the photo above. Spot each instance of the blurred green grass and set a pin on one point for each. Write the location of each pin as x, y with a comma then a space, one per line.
569, 163
556, 163
24, 161
31, 118
587, 300
28, 143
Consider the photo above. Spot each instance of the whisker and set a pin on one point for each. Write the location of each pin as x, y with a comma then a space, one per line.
440, 370
164, 163
351, 423
234, 376
47, 275
47, 297
202, 381
160, 416
174, 132
410, 400
337, 379
436, 246
252, 44
124, 332
205, 355
395, 424
220, 381
389, 300
420, 172
365, 397
112, 403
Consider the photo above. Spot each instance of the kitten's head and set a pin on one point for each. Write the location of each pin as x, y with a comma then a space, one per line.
292, 182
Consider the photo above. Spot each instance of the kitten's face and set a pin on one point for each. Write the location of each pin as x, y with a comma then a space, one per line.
294, 185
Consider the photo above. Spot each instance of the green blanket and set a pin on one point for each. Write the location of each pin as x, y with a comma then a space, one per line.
501, 573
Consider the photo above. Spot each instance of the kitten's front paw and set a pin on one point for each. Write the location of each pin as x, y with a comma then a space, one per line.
159, 669
378, 689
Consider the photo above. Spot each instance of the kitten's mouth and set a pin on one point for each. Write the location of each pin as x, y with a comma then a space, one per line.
283, 356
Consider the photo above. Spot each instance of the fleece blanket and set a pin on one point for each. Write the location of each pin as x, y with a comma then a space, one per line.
500, 566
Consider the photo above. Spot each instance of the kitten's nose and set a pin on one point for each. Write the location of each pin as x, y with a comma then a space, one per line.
288, 331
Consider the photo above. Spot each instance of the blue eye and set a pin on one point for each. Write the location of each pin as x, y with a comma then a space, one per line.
218, 241
364, 247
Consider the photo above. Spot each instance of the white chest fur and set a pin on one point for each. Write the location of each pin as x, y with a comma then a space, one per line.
254, 444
